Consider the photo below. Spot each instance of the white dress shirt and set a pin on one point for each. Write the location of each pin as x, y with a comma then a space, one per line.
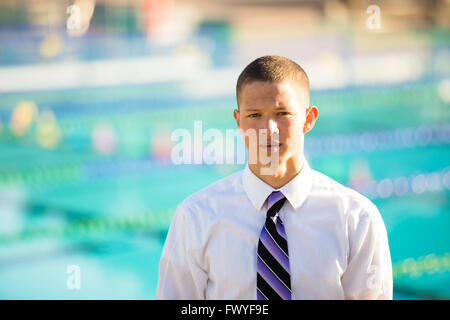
337, 241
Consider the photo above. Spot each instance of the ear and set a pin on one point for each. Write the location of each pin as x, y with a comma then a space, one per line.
311, 116
236, 117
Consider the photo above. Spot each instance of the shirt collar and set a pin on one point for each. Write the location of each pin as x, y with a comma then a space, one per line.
295, 190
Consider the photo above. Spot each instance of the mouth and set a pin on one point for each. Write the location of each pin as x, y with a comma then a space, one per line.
271, 146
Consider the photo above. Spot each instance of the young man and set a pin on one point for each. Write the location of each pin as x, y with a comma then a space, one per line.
282, 231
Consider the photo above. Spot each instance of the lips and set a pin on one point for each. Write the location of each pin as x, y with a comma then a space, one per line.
271, 145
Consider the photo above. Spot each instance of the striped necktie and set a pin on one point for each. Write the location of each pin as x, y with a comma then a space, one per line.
273, 280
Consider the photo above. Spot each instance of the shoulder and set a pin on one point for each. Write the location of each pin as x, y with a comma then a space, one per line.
357, 213
349, 201
208, 196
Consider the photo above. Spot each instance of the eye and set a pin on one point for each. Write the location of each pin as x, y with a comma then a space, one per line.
282, 113
253, 115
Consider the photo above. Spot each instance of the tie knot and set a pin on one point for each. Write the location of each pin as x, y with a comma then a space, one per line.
273, 198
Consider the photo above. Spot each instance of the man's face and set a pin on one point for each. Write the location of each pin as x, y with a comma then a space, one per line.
277, 112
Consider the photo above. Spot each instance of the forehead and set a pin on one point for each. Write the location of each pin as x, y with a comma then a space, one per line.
263, 93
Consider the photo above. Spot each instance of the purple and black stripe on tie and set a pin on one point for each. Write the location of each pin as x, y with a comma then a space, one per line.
273, 279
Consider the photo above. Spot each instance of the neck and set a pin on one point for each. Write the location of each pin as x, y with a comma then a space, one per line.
285, 172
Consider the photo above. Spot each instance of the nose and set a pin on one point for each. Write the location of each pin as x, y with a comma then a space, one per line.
270, 128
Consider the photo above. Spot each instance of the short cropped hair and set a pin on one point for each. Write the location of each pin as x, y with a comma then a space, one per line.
273, 68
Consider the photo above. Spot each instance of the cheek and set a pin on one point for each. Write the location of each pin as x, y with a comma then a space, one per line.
294, 136
248, 132
246, 123
291, 128
246, 126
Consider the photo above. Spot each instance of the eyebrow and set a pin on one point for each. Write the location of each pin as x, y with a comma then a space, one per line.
277, 108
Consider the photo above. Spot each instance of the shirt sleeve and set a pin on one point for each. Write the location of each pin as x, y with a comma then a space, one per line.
369, 269
180, 274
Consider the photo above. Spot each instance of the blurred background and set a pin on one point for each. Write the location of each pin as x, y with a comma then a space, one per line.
92, 91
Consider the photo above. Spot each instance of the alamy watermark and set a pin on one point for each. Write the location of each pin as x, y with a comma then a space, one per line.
74, 280
74, 20
213, 147
373, 22
375, 280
